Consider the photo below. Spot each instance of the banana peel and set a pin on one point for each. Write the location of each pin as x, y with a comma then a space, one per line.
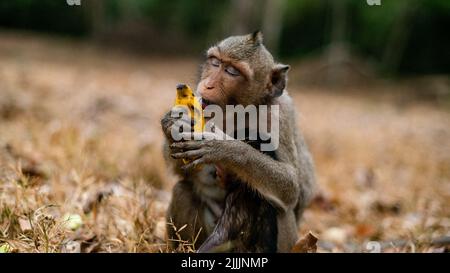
185, 97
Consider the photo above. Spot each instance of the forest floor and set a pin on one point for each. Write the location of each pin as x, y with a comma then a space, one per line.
81, 167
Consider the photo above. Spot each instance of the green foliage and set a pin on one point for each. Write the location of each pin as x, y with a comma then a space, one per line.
370, 31
306, 29
43, 15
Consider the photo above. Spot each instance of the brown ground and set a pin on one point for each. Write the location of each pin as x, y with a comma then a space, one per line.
79, 135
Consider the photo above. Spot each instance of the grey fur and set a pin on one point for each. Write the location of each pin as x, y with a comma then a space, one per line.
287, 183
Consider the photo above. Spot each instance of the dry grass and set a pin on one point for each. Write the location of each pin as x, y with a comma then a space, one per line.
79, 135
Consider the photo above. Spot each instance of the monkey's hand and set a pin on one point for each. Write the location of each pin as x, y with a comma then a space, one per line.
275, 180
169, 120
166, 124
210, 148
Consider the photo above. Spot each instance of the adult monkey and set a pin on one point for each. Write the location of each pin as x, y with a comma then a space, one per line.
240, 71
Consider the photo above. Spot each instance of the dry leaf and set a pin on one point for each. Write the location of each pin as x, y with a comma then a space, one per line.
71, 247
24, 224
307, 244
365, 231
95, 199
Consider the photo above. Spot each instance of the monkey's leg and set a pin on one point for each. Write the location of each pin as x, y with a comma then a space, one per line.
185, 209
248, 224
216, 242
220, 239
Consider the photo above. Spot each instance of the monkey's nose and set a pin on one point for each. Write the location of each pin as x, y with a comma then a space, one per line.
181, 86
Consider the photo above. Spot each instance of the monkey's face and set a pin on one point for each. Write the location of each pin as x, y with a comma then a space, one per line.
240, 70
223, 80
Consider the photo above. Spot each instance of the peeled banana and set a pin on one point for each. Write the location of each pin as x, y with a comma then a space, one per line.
185, 97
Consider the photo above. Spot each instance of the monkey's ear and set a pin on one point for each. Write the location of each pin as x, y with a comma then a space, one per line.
257, 37
279, 79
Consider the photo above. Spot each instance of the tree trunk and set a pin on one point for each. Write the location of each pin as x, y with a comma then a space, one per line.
338, 51
272, 24
398, 37
96, 16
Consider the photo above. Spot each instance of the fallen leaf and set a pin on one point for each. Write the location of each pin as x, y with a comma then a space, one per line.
91, 245
71, 247
307, 244
5, 248
89, 242
365, 230
94, 200
381, 207
323, 202
24, 224
72, 221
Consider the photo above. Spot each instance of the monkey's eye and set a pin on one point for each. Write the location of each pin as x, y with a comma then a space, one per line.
232, 71
214, 61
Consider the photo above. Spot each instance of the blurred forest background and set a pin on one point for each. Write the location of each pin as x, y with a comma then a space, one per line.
399, 37
82, 89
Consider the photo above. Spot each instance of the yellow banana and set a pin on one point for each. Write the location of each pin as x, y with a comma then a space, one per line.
185, 97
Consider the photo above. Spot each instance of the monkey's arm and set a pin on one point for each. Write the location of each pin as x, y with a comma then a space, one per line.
277, 181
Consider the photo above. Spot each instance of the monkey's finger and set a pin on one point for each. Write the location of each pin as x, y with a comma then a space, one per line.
186, 135
178, 109
206, 136
193, 136
189, 154
198, 136
202, 135
186, 145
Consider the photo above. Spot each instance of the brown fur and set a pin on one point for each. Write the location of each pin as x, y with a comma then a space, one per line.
281, 183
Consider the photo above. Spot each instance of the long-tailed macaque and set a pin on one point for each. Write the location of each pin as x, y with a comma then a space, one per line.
232, 196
